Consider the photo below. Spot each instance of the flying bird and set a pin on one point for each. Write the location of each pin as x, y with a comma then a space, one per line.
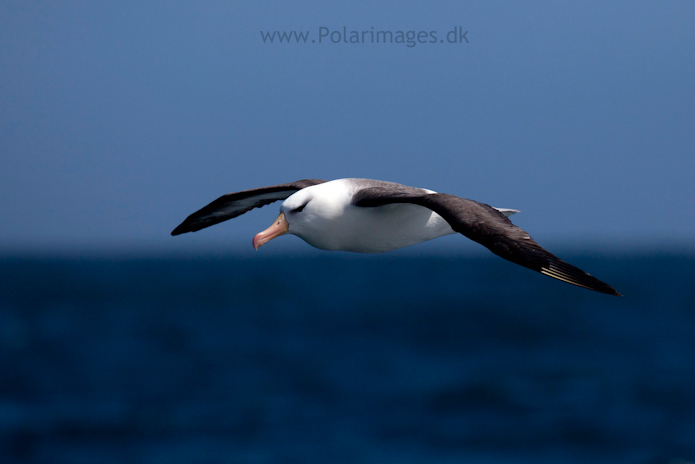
372, 216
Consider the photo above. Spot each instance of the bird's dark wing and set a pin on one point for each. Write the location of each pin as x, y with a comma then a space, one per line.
235, 204
487, 226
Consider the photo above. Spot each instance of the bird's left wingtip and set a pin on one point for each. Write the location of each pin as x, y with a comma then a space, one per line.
179, 230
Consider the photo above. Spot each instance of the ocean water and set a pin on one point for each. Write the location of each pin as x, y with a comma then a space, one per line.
344, 359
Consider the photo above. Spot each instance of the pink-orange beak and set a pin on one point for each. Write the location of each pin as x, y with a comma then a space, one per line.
279, 227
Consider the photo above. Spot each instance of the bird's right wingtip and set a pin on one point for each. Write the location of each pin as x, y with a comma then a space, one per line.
609, 291
561, 270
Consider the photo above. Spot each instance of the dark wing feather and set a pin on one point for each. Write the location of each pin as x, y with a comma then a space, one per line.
235, 204
487, 226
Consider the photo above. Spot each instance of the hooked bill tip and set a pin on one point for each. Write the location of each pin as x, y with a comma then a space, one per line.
256, 242
279, 227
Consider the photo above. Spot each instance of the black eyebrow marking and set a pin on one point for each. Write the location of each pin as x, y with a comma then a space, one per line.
300, 208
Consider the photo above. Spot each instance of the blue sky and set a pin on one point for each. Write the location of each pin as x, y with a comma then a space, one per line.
119, 119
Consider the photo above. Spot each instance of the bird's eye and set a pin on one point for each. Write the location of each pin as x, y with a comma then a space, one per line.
299, 209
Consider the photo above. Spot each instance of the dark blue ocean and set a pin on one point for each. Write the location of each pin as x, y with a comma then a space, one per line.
343, 359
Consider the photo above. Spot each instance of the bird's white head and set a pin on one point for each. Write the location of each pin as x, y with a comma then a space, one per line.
309, 214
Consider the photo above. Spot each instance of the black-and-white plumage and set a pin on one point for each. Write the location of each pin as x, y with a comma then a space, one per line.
235, 204
370, 216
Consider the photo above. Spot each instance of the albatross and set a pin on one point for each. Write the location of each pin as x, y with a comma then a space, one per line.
373, 216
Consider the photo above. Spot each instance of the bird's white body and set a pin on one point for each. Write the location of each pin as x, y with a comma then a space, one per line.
330, 222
